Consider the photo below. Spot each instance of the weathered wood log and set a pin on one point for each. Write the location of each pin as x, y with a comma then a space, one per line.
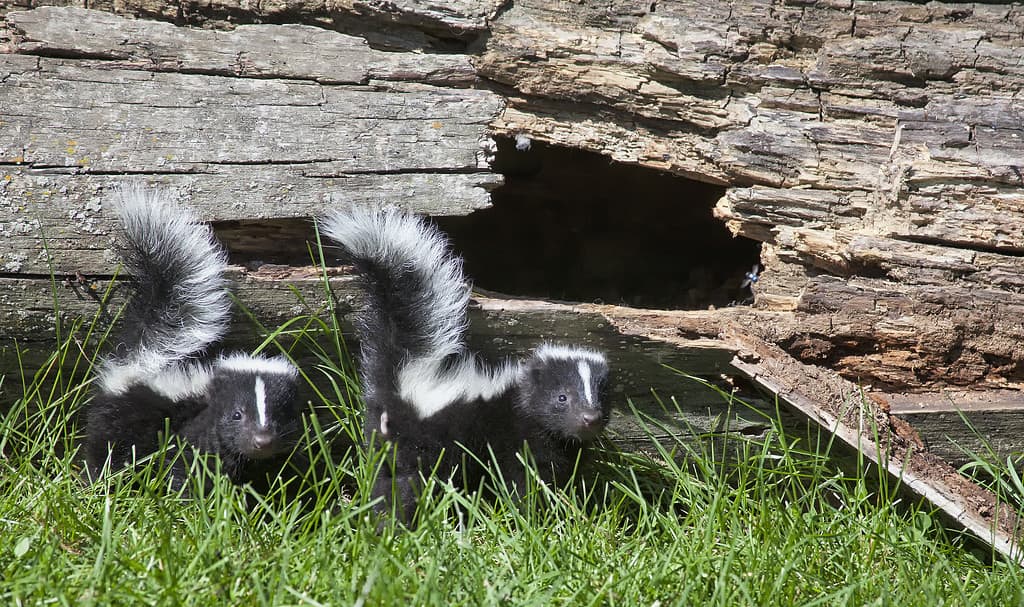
874, 149
879, 140
843, 409
843, 131
244, 135
960, 426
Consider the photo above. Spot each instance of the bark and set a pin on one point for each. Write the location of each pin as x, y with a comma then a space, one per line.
873, 147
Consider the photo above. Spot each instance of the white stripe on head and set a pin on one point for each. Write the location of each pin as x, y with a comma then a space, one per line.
584, 368
561, 352
247, 363
261, 401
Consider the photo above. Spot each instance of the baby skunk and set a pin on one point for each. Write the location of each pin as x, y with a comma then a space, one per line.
431, 396
240, 407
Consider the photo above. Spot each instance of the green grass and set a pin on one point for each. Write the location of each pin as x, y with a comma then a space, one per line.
775, 523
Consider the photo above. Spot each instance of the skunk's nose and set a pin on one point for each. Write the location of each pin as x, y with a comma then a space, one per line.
590, 418
262, 440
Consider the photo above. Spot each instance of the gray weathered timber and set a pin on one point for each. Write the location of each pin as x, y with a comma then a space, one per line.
956, 424
873, 148
843, 409
410, 24
880, 140
857, 140
71, 210
254, 127
241, 136
298, 52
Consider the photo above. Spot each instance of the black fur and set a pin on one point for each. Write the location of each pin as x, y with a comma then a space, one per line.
158, 380
222, 420
467, 439
415, 311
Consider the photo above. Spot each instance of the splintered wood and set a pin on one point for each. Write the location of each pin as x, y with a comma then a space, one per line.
854, 417
874, 147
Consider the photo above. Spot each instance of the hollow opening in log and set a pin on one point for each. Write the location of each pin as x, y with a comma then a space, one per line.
255, 242
576, 226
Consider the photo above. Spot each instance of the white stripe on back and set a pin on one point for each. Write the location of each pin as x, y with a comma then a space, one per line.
429, 389
261, 401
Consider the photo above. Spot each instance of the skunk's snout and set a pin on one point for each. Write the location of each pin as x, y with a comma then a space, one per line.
262, 440
590, 424
590, 418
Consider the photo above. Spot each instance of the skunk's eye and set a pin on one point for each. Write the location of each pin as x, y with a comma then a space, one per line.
562, 398
237, 415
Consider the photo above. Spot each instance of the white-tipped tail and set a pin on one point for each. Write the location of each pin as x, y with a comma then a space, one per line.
414, 250
180, 305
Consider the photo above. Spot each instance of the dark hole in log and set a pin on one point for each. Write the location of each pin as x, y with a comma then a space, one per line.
567, 225
254, 242
576, 226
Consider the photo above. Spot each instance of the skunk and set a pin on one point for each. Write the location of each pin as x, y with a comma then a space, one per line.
240, 407
436, 401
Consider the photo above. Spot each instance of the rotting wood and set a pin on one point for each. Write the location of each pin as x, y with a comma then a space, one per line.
845, 411
878, 141
851, 146
955, 424
280, 140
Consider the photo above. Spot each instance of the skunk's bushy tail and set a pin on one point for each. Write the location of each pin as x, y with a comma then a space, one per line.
417, 296
180, 305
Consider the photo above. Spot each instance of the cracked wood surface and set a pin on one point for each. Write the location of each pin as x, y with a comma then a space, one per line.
404, 24
240, 133
254, 128
879, 143
874, 148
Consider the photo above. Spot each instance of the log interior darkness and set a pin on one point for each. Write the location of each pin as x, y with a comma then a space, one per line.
255, 242
576, 226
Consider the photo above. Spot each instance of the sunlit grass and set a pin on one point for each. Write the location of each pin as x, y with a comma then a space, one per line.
740, 522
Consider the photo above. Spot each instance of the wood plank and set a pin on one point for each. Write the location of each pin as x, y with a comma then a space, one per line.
69, 214
295, 52
843, 409
952, 401
261, 122
410, 24
646, 369
955, 423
